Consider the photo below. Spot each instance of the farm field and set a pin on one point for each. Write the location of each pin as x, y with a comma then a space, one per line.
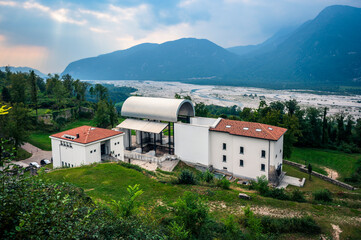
107, 182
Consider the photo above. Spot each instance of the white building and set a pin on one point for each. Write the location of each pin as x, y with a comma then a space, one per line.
243, 149
85, 145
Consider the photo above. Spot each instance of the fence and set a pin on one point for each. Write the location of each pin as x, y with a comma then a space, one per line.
303, 168
146, 157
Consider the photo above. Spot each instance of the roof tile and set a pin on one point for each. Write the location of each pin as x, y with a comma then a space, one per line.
248, 129
87, 134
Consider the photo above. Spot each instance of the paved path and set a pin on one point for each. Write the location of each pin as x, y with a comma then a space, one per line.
288, 180
37, 156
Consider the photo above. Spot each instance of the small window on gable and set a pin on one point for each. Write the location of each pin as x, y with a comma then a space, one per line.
241, 163
91, 151
263, 167
241, 150
224, 146
224, 158
263, 155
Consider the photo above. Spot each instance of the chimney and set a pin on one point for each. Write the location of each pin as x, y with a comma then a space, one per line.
77, 135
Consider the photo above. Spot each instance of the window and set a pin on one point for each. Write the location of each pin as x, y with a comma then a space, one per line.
241, 163
224, 158
224, 146
115, 143
224, 168
280, 150
72, 165
118, 142
241, 150
95, 150
62, 164
276, 155
263, 167
91, 151
263, 154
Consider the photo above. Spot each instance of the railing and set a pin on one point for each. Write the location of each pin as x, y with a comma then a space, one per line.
146, 157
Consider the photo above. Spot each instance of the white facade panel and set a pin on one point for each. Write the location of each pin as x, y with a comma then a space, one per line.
192, 143
252, 154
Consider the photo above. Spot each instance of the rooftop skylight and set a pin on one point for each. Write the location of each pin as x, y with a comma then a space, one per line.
228, 126
258, 130
245, 128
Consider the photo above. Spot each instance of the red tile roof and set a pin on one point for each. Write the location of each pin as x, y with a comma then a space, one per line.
87, 134
248, 129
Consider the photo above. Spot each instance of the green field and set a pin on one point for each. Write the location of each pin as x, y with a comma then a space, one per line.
343, 163
105, 182
41, 139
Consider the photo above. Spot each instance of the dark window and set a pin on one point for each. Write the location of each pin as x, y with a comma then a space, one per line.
62, 164
224, 146
241, 163
276, 155
95, 150
241, 150
72, 165
115, 143
91, 151
263, 167
224, 168
263, 154
118, 142
280, 150
224, 158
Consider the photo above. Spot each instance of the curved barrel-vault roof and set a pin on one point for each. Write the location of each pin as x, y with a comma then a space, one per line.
163, 109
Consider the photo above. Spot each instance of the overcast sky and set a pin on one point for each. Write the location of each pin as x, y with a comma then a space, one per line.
49, 34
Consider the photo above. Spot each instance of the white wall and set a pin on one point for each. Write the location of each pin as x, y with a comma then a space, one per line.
252, 159
83, 154
192, 143
276, 152
117, 147
203, 121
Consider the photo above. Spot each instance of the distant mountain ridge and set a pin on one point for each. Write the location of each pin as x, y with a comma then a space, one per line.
24, 70
322, 51
181, 59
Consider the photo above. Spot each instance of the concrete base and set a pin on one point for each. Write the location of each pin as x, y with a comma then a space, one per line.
287, 180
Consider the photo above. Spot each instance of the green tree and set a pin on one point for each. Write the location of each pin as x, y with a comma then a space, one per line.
6, 97
324, 127
33, 91
113, 116
68, 84
17, 88
309, 170
102, 118
201, 110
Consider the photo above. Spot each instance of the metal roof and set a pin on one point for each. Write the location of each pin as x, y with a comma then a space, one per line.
141, 125
163, 109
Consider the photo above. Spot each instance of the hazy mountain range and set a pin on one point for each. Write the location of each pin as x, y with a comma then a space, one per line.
24, 70
325, 51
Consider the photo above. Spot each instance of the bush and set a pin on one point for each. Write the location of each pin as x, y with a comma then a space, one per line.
187, 177
277, 193
191, 212
322, 195
261, 185
297, 196
224, 183
290, 225
208, 176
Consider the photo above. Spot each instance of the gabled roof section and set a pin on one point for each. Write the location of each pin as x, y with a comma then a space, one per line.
86, 134
250, 129
162, 109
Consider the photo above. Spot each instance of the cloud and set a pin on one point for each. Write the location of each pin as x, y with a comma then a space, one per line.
8, 3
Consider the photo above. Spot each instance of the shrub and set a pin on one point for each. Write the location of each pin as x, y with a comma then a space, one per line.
224, 183
290, 225
322, 195
208, 176
191, 212
261, 185
278, 193
187, 177
297, 196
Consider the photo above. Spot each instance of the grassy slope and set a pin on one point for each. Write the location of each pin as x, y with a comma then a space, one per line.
104, 182
343, 163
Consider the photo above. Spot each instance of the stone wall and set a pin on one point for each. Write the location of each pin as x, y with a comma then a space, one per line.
303, 168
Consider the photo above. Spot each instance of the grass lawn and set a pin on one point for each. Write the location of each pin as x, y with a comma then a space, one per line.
41, 139
343, 163
22, 154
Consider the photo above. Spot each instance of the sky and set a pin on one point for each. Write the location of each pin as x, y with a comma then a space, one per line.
49, 34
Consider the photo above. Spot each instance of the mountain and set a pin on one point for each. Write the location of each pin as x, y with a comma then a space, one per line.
323, 51
186, 58
267, 46
24, 70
